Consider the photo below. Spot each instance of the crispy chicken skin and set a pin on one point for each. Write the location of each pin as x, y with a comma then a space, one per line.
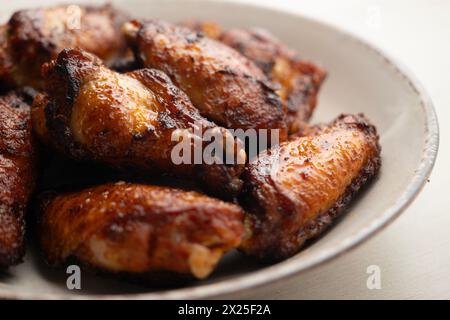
127, 121
35, 36
295, 190
17, 175
299, 80
225, 86
139, 229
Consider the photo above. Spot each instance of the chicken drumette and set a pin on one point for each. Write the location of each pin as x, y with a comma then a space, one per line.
295, 190
131, 121
225, 86
17, 174
139, 229
35, 36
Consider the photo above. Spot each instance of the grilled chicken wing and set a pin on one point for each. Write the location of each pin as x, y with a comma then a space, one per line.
17, 174
128, 121
298, 79
35, 36
294, 191
139, 229
225, 86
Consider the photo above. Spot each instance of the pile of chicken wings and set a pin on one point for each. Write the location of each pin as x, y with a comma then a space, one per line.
86, 119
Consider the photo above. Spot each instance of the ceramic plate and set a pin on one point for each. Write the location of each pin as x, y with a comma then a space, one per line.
361, 79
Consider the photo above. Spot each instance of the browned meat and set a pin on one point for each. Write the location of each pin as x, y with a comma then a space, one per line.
225, 86
139, 229
210, 29
17, 175
294, 191
127, 121
34, 36
6, 65
299, 81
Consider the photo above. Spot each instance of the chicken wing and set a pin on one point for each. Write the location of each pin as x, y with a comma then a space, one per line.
139, 229
35, 36
129, 121
225, 86
17, 174
294, 191
299, 81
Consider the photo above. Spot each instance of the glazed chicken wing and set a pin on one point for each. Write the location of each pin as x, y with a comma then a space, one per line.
298, 79
35, 36
294, 191
17, 174
225, 86
139, 229
130, 121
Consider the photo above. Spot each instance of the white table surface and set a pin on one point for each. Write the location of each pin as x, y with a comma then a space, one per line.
413, 253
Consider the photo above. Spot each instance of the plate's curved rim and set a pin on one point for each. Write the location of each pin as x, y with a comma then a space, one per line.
290, 269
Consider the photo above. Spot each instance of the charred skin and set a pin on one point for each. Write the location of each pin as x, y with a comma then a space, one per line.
225, 86
17, 175
316, 179
139, 229
127, 121
35, 36
299, 81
